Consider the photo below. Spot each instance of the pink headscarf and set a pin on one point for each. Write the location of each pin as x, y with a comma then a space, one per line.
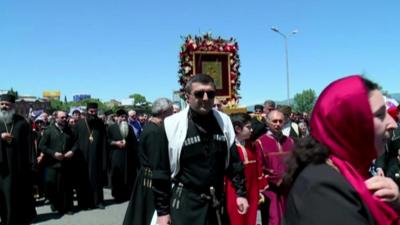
342, 120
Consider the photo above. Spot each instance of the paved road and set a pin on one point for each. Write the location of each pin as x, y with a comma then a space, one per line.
113, 214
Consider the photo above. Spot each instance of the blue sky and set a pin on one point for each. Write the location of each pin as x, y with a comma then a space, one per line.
111, 49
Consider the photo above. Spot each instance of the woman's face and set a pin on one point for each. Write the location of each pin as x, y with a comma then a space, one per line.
244, 133
383, 122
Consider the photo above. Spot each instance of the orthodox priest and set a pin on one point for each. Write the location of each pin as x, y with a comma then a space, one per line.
90, 159
201, 150
123, 154
16, 160
153, 140
56, 144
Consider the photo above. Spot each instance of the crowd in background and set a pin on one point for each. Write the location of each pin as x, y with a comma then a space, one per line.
58, 158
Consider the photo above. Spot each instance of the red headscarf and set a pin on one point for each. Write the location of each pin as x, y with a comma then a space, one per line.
342, 120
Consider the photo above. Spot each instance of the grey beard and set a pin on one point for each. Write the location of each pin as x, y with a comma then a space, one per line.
7, 116
124, 128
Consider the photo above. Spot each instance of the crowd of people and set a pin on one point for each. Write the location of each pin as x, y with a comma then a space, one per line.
200, 166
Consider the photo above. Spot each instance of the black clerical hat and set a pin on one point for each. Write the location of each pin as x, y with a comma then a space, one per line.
108, 112
7, 98
260, 107
121, 112
92, 105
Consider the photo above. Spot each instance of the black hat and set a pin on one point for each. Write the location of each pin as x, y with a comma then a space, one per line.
121, 112
108, 112
260, 107
92, 105
7, 98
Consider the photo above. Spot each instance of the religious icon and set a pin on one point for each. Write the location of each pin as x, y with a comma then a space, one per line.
215, 64
214, 69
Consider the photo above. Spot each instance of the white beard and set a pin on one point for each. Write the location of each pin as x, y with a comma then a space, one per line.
124, 128
7, 116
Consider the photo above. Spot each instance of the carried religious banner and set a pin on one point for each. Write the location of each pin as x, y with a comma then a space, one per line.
216, 57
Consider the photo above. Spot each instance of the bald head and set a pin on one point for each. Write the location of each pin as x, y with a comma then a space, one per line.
275, 120
132, 114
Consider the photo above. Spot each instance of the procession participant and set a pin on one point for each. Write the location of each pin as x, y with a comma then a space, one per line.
153, 140
259, 113
255, 180
123, 157
16, 160
56, 144
90, 158
76, 114
276, 148
177, 108
329, 171
134, 123
201, 150
38, 167
269, 105
290, 128
388, 164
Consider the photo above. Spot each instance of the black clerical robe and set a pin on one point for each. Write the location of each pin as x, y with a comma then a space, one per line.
16, 160
90, 160
58, 180
124, 162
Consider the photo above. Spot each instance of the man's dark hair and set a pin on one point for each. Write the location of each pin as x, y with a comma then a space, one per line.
270, 102
260, 107
199, 78
240, 119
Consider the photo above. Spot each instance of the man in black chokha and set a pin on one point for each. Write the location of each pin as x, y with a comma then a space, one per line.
201, 151
16, 160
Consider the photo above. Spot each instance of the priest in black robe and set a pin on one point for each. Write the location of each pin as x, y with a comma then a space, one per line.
90, 159
16, 160
56, 144
123, 154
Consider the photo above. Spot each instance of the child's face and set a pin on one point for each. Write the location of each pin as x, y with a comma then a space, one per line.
244, 133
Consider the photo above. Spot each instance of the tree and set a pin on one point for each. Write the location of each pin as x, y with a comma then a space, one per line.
57, 105
304, 101
140, 103
138, 99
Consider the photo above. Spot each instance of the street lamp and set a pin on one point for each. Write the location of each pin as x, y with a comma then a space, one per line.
285, 37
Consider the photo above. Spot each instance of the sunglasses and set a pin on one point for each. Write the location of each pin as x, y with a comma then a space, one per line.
200, 94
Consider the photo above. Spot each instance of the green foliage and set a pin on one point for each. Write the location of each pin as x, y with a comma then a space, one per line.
56, 105
140, 104
59, 105
138, 99
304, 101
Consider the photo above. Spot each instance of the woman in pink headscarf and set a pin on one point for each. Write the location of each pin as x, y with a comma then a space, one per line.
328, 172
